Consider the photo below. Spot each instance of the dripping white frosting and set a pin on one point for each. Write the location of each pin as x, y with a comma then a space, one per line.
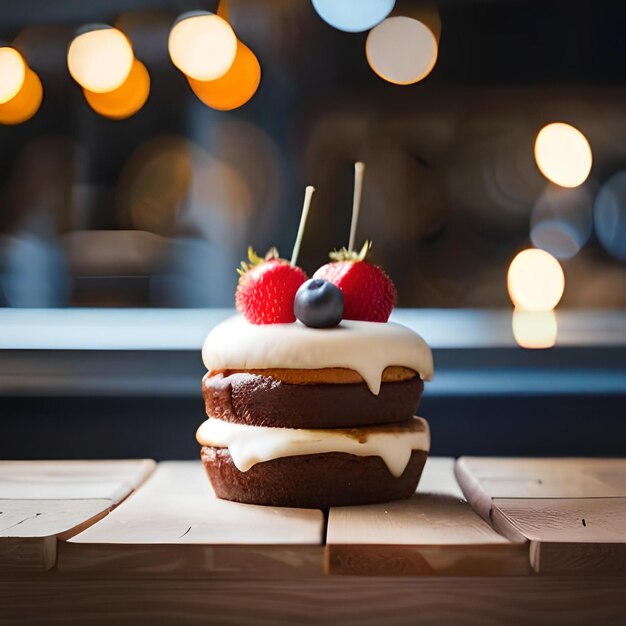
365, 347
249, 445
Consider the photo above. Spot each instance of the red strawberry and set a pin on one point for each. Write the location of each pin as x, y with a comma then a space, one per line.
368, 293
267, 288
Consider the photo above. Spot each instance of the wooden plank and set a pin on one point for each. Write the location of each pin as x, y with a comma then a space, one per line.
571, 511
543, 478
44, 501
346, 600
175, 526
434, 532
72, 480
570, 534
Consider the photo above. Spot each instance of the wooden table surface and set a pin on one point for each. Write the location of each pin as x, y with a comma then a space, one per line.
572, 512
175, 526
482, 541
46, 501
434, 532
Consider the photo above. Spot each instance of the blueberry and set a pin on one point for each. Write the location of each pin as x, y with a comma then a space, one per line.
319, 304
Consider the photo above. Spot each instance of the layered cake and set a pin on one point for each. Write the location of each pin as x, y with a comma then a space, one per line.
317, 411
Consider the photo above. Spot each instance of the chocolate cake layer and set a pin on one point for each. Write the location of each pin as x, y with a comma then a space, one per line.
313, 481
264, 401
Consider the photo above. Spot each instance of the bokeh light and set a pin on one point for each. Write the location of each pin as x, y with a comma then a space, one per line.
561, 221
563, 154
220, 201
535, 281
234, 88
609, 215
112, 252
535, 329
401, 50
252, 192
155, 182
100, 59
127, 99
12, 73
353, 16
25, 103
202, 45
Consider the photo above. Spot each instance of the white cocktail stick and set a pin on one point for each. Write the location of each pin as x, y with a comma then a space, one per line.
308, 194
359, 170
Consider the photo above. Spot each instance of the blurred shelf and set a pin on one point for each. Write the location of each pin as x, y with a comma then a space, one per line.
185, 329
156, 352
80, 383
107, 329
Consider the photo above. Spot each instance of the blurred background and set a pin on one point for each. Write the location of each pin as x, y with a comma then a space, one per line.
134, 173
156, 210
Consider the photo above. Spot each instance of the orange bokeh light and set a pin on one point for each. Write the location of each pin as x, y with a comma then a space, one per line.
234, 88
127, 99
25, 103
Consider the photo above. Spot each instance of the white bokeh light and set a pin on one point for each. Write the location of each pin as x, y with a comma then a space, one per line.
401, 50
12, 73
534, 329
535, 281
563, 154
100, 59
202, 45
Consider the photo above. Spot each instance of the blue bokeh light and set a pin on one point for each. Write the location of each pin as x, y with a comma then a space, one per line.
353, 16
561, 221
609, 215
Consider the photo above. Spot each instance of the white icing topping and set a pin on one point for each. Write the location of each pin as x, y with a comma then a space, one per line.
249, 445
365, 347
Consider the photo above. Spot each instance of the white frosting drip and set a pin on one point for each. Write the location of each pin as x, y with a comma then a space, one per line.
365, 347
249, 445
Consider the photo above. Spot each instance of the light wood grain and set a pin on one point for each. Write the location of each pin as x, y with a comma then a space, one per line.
44, 501
571, 511
46, 518
436, 601
434, 532
174, 525
570, 534
590, 520
72, 480
545, 478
